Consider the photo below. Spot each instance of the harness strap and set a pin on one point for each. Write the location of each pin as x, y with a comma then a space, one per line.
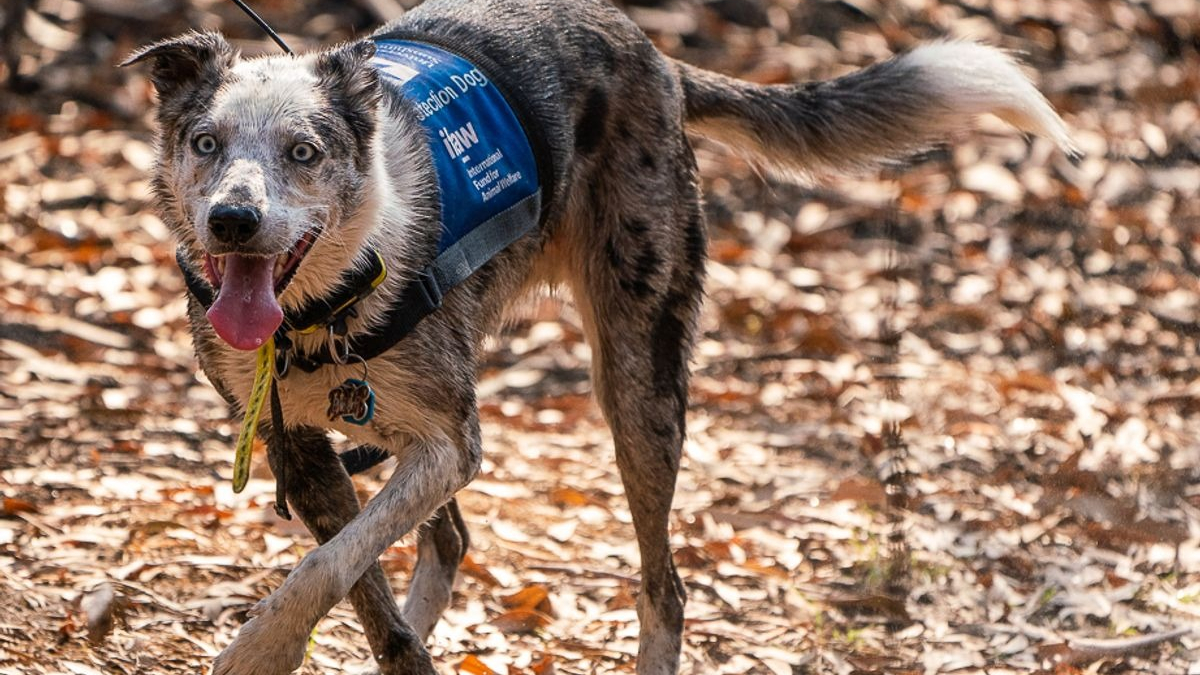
418, 300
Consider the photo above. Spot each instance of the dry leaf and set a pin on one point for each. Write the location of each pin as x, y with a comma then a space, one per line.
473, 666
862, 490
534, 597
521, 620
478, 572
543, 666
11, 506
565, 496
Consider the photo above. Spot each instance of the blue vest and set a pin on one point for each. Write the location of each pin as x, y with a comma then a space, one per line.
487, 174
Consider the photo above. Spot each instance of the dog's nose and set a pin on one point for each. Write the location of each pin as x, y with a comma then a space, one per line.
233, 224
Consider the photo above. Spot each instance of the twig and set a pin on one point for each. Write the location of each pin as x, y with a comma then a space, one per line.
580, 571
166, 604
1087, 650
1080, 650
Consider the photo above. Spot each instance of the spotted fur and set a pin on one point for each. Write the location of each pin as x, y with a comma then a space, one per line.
625, 235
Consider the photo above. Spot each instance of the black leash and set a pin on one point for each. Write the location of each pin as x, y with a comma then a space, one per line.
264, 25
278, 448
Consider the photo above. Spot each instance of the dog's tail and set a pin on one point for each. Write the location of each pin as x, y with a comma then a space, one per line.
880, 114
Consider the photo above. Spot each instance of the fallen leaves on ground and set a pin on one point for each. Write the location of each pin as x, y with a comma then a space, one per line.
1044, 430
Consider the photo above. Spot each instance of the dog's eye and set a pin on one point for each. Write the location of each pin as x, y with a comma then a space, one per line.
204, 144
304, 152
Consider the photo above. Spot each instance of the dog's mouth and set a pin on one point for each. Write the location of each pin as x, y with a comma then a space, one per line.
284, 269
246, 312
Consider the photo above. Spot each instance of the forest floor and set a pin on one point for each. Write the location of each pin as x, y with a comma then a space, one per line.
1047, 383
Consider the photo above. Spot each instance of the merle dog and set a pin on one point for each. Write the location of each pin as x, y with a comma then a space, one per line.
280, 174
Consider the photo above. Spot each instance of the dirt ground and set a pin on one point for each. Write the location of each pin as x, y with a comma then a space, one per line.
998, 338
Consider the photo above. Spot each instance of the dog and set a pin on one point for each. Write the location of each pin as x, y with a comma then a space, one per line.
291, 179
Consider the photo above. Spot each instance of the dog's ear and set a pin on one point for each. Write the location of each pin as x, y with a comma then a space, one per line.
185, 62
352, 84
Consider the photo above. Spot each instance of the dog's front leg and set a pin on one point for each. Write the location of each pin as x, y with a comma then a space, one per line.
428, 474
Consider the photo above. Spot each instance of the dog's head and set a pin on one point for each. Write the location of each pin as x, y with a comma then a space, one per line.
263, 165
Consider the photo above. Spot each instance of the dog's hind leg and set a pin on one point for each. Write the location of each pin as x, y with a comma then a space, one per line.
639, 286
442, 543
322, 495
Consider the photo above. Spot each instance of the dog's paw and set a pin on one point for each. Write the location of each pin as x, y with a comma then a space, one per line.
259, 650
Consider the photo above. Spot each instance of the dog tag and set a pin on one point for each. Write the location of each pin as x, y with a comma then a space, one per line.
353, 401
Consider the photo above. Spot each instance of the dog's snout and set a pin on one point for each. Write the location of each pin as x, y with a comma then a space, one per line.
233, 224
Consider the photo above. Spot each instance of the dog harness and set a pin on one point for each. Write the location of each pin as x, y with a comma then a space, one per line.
494, 180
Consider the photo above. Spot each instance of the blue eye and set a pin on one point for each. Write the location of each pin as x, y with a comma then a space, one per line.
204, 144
304, 152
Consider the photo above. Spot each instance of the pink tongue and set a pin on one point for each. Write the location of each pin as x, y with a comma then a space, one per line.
246, 312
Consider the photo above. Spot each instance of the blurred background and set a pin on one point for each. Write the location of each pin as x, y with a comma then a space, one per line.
943, 420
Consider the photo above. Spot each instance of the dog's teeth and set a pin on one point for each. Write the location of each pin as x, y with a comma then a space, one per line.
279, 264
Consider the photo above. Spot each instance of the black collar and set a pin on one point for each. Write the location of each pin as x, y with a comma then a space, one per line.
417, 300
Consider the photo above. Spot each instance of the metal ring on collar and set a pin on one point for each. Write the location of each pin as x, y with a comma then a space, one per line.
284, 355
339, 347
